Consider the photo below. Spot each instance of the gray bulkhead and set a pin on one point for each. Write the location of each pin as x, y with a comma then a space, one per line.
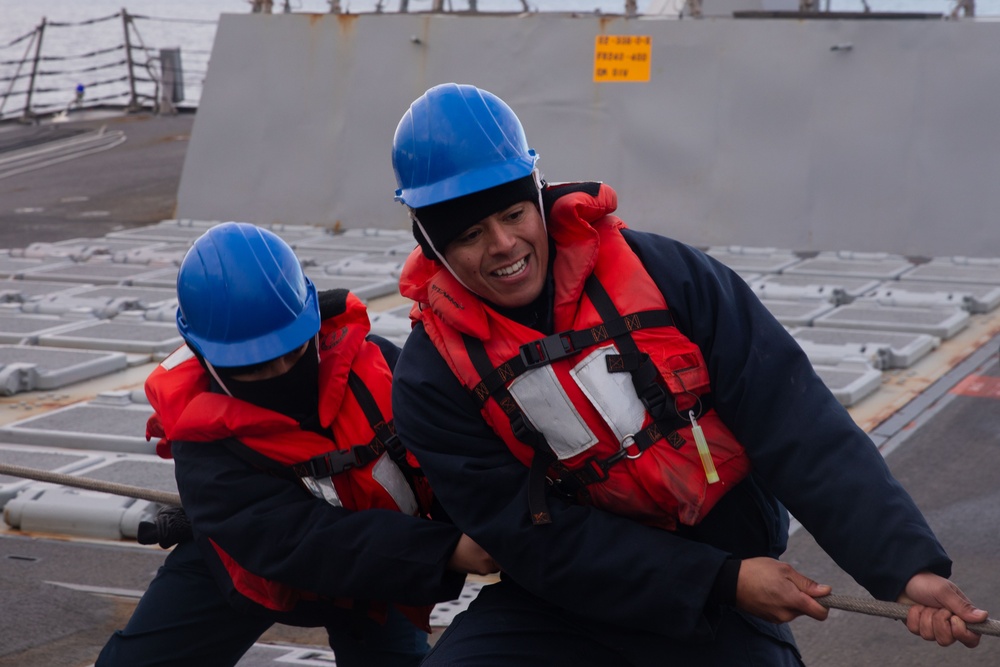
804, 134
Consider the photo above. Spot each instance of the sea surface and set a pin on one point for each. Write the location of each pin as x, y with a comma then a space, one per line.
84, 55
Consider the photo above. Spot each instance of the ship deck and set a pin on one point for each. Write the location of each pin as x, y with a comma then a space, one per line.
91, 247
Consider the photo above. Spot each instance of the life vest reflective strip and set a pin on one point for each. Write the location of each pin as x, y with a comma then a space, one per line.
661, 486
355, 390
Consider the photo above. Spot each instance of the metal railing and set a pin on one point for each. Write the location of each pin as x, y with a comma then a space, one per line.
129, 73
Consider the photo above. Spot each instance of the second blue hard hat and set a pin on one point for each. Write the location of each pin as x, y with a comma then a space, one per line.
243, 297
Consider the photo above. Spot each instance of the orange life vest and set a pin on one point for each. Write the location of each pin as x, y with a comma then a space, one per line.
606, 405
359, 463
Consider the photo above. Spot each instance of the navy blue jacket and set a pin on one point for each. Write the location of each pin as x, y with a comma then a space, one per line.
277, 530
805, 450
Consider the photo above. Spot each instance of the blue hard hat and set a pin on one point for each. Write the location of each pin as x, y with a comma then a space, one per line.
243, 296
455, 140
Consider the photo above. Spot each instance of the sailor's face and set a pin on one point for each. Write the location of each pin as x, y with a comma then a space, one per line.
503, 258
275, 367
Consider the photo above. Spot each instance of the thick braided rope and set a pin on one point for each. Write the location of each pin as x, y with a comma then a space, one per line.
895, 610
115, 488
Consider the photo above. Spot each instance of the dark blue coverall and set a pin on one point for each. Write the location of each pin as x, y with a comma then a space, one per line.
191, 615
592, 588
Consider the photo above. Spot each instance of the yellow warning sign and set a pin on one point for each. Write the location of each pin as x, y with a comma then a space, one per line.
622, 58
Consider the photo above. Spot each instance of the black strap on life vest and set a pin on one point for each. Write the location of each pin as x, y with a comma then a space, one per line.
524, 431
385, 440
649, 386
655, 397
258, 460
564, 344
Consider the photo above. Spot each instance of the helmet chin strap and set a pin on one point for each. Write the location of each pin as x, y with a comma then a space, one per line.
535, 174
437, 251
215, 375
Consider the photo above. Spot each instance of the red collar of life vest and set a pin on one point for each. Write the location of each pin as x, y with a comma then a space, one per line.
186, 409
427, 282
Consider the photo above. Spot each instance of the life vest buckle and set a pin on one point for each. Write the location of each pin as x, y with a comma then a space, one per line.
654, 399
394, 446
326, 465
526, 432
546, 350
592, 471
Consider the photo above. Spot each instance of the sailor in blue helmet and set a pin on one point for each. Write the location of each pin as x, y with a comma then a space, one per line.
299, 504
617, 419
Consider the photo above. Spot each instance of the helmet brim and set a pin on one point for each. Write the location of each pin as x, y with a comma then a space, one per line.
468, 182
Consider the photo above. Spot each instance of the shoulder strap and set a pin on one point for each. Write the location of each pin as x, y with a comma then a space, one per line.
385, 439
523, 431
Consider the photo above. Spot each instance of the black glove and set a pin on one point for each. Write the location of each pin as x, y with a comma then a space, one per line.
170, 526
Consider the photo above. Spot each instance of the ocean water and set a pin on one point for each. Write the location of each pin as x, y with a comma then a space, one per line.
83, 43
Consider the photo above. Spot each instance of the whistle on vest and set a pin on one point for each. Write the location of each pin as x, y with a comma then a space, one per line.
706, 456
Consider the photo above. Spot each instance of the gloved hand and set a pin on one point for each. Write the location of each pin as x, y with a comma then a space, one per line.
170, 526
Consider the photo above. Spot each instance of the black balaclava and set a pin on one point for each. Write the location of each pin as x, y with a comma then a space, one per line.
294, 393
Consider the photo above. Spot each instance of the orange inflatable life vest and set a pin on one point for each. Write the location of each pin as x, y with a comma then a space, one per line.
358, 464
610, 409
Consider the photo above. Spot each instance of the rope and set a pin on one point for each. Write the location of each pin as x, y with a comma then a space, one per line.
42, 72
20, 39
162, 497
91, 54
896, 611
71, 24
173, 20
93, 68
89, 102
88, 85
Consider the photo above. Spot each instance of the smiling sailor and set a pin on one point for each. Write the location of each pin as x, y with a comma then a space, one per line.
620, 423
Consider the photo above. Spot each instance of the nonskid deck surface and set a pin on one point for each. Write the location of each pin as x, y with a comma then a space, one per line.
84, 321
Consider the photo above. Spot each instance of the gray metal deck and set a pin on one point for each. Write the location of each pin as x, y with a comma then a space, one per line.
858, 316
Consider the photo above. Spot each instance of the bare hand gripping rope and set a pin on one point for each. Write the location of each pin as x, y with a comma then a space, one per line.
895, 610
870, 607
